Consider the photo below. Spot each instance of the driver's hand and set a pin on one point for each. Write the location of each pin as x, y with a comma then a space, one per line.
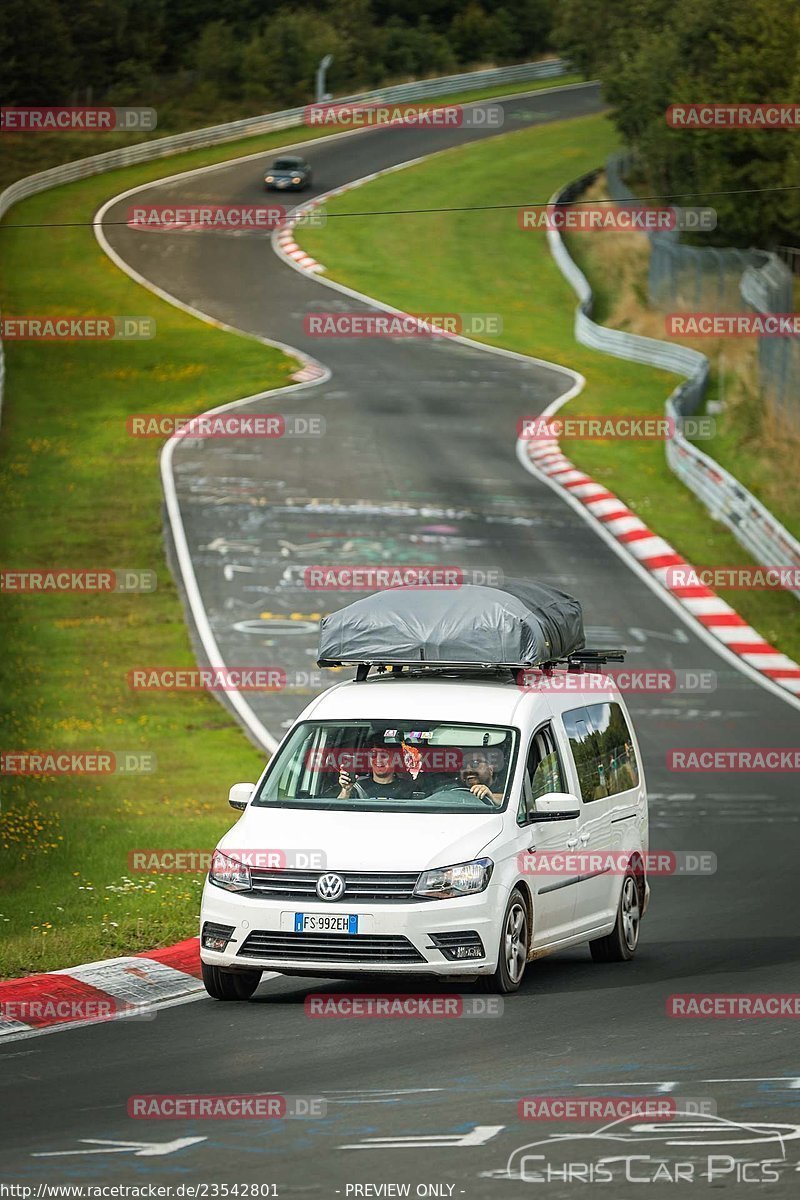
481, 791
345, 782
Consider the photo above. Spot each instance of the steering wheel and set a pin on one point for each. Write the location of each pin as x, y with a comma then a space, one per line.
460, 788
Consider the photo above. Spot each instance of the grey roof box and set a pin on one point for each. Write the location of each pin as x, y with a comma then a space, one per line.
521, 624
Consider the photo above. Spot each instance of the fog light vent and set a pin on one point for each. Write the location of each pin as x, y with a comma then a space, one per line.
459, 945
216, 937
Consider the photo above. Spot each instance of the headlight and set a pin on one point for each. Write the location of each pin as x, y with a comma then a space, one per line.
269, 179
296, 179
228, 873
445, 883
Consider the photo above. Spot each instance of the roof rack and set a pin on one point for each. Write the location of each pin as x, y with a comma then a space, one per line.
423, 667
581, 660
577, 661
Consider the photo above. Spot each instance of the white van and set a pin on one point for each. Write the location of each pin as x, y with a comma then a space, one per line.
451, 822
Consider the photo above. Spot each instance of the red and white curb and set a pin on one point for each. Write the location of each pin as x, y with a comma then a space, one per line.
658, 557
116, 988
285, 239
650, 555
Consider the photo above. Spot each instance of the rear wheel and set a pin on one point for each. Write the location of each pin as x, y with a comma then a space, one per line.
229, 985
620, 945
513, 950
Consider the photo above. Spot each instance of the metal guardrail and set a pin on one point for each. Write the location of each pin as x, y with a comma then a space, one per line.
125, 156
728, 501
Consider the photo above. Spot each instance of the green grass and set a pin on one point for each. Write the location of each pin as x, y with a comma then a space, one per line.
480, 261
76, 491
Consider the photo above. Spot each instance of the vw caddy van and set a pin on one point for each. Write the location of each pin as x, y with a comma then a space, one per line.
444, 817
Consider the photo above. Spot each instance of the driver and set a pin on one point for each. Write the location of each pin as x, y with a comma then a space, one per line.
382, 780
478, 774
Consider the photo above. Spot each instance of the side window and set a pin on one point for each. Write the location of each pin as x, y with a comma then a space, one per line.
602, 749
543, 772
617, 763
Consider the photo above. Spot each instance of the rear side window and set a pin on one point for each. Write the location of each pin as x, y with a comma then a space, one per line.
602, 748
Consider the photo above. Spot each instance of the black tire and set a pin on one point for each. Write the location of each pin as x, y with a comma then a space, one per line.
229, 985
512, 953
620, 945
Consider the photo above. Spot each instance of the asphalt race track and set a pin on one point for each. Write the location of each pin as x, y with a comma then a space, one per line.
418, 466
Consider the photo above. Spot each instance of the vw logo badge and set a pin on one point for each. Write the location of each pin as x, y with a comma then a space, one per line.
330, 887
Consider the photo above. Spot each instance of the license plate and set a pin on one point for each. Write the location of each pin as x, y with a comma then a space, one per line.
325, 923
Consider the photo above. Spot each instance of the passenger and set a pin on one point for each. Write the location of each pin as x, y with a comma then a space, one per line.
478, 774
382, 779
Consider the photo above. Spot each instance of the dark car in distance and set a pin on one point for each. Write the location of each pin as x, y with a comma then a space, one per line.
288, 174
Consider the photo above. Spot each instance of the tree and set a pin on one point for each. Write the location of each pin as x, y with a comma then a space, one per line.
218, 58
38, 59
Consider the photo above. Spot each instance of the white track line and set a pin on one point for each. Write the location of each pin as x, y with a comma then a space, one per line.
251, 722
621, 549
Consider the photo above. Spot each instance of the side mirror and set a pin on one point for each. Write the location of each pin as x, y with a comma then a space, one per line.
240, 795
555, 806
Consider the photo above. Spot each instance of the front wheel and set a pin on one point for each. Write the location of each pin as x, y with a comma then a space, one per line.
229, 985
512, 954
620, 945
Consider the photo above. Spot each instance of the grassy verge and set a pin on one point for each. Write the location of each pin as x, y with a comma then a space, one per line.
27, 154
76, 492
465, 261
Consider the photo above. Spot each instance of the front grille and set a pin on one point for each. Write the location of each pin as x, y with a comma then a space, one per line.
329, 947
375, 887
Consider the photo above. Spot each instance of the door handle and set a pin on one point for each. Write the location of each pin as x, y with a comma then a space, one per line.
571, 843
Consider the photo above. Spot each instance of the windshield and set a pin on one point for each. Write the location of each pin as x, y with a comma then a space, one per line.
392, 766
286, 164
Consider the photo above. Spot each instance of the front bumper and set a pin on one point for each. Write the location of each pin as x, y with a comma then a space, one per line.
414, 922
